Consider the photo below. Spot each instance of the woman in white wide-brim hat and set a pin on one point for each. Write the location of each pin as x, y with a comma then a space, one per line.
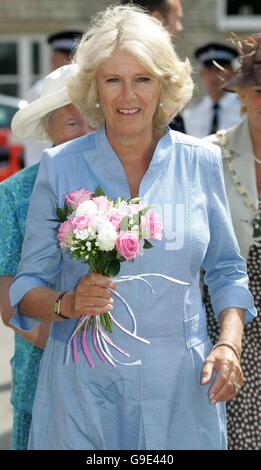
51, 119
241, 149
35, 120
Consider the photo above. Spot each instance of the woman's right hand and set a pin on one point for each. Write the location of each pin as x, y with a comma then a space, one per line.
91, 297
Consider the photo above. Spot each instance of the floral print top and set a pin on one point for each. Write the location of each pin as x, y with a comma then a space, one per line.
15, 194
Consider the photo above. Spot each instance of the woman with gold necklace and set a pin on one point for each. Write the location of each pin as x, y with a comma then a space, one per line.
241, 149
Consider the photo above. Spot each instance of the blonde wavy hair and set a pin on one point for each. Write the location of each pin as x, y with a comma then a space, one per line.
130, 29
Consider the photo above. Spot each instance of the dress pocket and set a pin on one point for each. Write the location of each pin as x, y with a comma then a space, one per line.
196, 329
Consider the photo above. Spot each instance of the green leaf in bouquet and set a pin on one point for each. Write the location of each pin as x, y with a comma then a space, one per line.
145, 210
117, 202
124, 224
100, 263
113, 268
99, 192
61, 214
103, 321
108, 322
109, 255
68, 210
147, 244
120, 258
136, 219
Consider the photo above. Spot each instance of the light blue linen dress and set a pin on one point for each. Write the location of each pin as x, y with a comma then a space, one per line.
15, 194
160, 404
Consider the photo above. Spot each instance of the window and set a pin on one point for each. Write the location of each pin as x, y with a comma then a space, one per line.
239, 15
9, 68
23, 60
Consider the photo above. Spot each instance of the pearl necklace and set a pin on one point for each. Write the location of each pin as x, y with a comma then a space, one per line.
256, 215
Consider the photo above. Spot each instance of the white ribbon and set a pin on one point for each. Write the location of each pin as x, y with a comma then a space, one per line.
103, 339
141, 276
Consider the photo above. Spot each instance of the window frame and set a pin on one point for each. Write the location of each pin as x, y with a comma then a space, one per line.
235, 22
25, 76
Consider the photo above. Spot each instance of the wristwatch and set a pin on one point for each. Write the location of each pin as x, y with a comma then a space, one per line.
57, 306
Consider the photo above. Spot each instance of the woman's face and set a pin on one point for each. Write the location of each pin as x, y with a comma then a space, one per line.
251, 98
128, 95
66, 123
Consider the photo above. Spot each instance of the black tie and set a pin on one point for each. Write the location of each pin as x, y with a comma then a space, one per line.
214, 124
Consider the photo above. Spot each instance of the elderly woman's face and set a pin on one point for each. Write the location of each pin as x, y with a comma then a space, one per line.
251, 98
66, 123
128, 95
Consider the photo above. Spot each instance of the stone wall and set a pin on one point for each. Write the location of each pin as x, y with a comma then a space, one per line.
45, 16
200, 26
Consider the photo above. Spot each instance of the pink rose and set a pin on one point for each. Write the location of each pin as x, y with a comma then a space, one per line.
65, 233
76, 197
115, 219
152, 226
82, 221
128, 245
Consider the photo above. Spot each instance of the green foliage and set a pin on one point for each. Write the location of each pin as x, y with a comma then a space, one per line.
145, 210
99, 192
124, 224
136, 219
147, 245
61, 214
113, 268
64, 213
100, 263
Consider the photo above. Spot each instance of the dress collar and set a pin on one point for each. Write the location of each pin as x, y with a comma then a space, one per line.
110, 157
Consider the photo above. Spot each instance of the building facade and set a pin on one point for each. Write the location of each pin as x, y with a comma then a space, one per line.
25, 24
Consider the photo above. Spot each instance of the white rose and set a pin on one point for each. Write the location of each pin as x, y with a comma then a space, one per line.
107, 236
87, 208
81, 234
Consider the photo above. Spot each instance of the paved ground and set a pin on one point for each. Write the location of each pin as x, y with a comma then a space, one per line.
6, 352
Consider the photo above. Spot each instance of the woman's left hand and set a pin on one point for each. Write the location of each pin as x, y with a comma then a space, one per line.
229, 377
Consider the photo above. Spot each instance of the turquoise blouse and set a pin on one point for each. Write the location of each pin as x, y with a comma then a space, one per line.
15, 194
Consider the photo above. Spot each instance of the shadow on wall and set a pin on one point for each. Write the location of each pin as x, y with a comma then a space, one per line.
5, 441
5, 436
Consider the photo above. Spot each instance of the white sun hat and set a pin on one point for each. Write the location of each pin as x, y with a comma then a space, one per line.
27, 123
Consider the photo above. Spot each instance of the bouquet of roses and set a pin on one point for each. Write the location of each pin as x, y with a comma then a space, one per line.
103, 233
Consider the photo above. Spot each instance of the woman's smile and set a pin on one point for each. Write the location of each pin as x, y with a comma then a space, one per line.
128, 112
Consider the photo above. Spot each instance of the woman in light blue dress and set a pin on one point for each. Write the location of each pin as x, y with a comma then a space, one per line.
130, 84
15, 194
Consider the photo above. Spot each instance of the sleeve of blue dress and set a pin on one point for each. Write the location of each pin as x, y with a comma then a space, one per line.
225, 269
41, 257
10, 235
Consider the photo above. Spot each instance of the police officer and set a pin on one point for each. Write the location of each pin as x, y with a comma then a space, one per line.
63, 45
217, 109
